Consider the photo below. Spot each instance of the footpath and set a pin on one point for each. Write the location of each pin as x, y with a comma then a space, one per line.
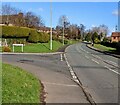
58, 87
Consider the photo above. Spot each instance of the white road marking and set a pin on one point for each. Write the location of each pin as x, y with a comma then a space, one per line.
114, 63
60, 84
96, 56
74, 77
81, 48
95, 61
87, 57
76, 80
112, 70
61, 57
71, 71
73, 74
111, 62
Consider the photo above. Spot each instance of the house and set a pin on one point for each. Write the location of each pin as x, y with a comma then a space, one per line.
46, 29
115, 37
11, 19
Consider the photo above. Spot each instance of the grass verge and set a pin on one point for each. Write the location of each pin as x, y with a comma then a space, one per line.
39, 47
104, 48
19, 86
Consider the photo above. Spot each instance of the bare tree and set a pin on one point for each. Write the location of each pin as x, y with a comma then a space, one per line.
31, 20
101, 30
63, 22
73, 31
8, 10
82, 30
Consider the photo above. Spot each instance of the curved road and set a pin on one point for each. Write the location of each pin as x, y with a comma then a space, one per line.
97, 72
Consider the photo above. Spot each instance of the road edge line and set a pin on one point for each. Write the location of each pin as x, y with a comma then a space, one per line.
76, 80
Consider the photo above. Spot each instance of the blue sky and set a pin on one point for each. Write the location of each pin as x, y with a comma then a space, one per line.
88, 13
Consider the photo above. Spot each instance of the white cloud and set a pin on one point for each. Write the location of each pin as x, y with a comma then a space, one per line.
116, 12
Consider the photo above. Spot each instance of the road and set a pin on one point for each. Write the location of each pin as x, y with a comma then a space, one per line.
97, 72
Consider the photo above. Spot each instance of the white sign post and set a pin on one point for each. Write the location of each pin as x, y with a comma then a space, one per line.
0, 43
18, 45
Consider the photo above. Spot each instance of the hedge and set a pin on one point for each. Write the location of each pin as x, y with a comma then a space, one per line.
13, 31
32, 35
113, 45
43, 37
35, 37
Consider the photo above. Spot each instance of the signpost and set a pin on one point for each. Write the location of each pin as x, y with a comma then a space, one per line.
18, 45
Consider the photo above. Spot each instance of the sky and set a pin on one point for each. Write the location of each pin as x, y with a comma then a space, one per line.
90, 14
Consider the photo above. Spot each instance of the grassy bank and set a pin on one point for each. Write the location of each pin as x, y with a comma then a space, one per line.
104, 48
19, 86
39, 47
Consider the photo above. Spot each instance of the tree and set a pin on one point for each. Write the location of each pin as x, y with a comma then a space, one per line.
63, 23
33, 21
103, 31
8, 10
73, 31
82, 30
94, 38
88, 36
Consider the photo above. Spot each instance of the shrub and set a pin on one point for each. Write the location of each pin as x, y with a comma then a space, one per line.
97, 40
6, 49
118, 46
43, 37
55, 37
33, 36
65, 41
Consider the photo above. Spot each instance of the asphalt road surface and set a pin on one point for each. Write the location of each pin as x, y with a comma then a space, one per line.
97, 72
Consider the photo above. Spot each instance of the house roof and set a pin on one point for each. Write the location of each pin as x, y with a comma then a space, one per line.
115, 34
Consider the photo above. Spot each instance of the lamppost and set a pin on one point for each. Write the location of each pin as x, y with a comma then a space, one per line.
116, 28
63, 30
51, 25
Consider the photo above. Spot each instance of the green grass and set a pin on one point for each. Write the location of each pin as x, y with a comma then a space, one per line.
104, 48
72, 41
39, 47
19, 86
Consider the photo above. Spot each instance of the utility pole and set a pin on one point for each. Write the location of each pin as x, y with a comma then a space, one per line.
51, 25
63, 30
116, 28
